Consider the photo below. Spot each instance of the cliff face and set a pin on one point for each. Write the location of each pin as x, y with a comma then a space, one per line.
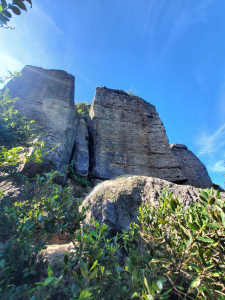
125, 134
47, 96
128, 137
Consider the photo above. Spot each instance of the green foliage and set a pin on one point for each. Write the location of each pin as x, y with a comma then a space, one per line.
6, 10
180, 252
50, 210
132, 92
83, 109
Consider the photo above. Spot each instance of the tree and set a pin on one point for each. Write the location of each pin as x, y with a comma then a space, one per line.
6, 9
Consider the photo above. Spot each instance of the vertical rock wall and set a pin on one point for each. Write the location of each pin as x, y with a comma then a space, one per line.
47, 96
128, 137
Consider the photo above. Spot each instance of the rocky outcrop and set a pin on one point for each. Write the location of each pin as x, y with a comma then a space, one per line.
81, 154
47, 96
116, 201
192, 167
128, 137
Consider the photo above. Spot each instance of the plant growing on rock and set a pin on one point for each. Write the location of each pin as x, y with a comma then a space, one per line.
83, 109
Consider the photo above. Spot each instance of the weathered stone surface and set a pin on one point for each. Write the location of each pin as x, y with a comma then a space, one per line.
81, 154
192, 167
117, 200
54, 256
128, 137
47, 96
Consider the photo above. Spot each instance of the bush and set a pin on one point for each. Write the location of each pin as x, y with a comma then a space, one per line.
83, 109
49, 211
180, 253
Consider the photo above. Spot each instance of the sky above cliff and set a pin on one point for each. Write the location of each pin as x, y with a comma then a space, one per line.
171, 52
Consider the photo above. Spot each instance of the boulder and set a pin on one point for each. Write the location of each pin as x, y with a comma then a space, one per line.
115, 202
192, 167
128, 137
53, 255
81, 154
47, 96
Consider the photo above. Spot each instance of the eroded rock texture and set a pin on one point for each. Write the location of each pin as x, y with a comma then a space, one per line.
117, 201
81, 154
192, 167
128, 137
47, 96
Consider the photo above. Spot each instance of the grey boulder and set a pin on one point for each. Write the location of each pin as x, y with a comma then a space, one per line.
192, 167
117, 201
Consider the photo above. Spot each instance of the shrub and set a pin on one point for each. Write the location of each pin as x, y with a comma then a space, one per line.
83, 109
132, 92
181, 252
50, 210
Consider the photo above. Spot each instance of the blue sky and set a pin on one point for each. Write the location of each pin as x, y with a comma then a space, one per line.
171, 51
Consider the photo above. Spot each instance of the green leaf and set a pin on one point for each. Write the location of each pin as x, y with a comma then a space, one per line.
21, 5
212, 201
162, 221
49, 271
135, 294
4, 4
196, 283
102, 269
94, 273
85, 294
2, 264
7, 14
48, 280
1, 8
173, 203
187, 232
84, 272
94, 264
194, 227
15, 10
94, 233
204, 194
29, 1
213, 225
207, 240
180, 287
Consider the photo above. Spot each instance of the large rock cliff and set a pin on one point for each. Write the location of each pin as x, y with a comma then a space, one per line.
128, 137
124, 134
47, 96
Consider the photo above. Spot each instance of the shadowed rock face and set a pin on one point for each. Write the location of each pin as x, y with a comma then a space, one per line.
128, 137
81, 155
192, 167
47, 96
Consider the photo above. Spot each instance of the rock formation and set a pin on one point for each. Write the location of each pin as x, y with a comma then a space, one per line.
124, 136
117, 201
128, 137
191, 166
47, 96
81, 154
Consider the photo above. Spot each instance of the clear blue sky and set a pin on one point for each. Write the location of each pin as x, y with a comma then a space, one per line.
171, 51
